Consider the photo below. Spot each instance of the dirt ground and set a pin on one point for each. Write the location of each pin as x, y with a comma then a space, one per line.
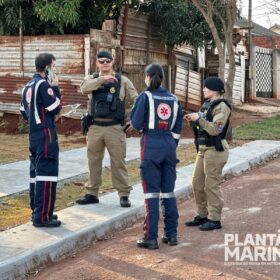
251, 206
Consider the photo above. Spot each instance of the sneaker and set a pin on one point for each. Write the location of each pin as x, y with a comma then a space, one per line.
196, 221
125, 202
88, 199
211, 225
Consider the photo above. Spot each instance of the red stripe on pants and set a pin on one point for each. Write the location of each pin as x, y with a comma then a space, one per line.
44, 202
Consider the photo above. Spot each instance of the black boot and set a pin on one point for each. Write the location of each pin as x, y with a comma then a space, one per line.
54, 217
211, 225
171, 241
51, 223
196, 221
124, 201
88, 199
147, 244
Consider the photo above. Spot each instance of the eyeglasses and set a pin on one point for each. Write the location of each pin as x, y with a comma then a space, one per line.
105, 61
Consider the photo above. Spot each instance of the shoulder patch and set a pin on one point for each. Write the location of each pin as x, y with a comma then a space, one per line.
28, 95
50, 91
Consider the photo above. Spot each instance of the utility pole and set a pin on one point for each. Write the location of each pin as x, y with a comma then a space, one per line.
250, 47
20, 40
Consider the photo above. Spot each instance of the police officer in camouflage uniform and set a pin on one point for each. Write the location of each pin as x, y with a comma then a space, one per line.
210, 126
109, 95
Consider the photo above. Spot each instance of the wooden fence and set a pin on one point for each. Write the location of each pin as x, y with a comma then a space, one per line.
188, 88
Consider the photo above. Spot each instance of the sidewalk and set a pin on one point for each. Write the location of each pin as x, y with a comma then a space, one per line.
14, 177
20, 251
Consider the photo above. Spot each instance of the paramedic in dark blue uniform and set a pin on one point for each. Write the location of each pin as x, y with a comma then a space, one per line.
158, 115
41, 103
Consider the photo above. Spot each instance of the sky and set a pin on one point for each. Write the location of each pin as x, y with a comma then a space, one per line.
261, 13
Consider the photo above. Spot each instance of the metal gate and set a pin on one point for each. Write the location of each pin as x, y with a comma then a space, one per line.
264, 74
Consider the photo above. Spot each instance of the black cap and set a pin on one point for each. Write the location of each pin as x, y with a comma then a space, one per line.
215, 84
105, 54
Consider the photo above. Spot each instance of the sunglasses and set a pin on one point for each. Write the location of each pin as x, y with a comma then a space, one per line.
105, 61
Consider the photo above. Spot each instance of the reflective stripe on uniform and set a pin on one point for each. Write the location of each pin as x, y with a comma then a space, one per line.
37, 118
152, 110
151, 195
46, 178
167, 195
175, 135
32, 180
54, 105
175, 112
164, 97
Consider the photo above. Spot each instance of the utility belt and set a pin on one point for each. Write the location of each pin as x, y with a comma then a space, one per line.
87, 120
202, 141
210, 141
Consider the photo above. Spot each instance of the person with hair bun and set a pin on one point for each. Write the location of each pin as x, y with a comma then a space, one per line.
158, 115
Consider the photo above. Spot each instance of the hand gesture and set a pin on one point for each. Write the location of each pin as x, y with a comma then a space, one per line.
192, 117
54, 81
110, 79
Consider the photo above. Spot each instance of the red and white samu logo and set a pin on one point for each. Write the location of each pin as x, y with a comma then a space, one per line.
28, 95
164, 111
50, 91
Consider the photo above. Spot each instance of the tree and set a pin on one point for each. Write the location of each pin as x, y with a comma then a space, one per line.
226, 11
56, 16
179, 22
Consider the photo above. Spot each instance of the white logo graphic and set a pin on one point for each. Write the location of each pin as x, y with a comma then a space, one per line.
253, 249
164, 111
28, 95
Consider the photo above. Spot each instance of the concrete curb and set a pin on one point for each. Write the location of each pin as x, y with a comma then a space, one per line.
97, 221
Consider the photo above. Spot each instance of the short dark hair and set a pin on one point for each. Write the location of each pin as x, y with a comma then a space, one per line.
155, 72
42, 60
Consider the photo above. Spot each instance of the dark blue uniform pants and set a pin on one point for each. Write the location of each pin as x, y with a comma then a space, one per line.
44, 150
158, 173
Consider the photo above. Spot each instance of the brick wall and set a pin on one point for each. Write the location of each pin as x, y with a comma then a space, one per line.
267, 42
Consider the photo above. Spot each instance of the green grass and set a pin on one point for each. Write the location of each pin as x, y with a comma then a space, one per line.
268, 129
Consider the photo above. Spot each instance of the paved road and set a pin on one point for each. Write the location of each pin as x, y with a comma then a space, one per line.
251, 206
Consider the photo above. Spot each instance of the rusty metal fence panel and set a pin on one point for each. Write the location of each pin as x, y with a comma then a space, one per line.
68, 50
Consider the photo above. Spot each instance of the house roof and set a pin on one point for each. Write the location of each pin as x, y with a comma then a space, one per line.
257, 30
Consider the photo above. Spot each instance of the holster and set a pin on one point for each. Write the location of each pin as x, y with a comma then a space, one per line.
86, 122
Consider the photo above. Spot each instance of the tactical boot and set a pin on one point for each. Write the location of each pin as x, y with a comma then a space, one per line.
211, 225
125, 202
171, 241
88, 199
196, 221
147, 244
51, 223
54, 216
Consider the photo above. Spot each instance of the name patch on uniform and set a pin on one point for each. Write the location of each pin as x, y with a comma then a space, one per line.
164, 111
28, 95
163, 125
50, 91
